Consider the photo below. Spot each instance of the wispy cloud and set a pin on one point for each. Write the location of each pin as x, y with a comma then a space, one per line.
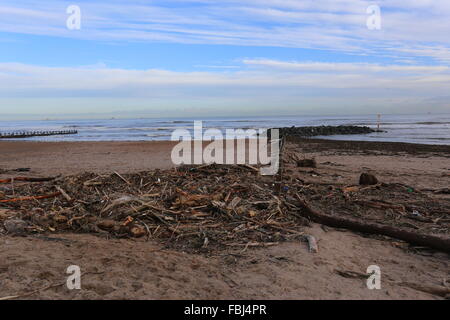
411, 72
410, 29
295, 86
345, 67
17, 77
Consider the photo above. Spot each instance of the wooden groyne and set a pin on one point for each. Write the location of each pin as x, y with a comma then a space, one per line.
27, 134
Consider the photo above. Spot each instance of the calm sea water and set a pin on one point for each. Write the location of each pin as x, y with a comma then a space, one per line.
427, 129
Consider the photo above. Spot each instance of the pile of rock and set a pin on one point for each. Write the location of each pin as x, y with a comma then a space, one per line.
324, 131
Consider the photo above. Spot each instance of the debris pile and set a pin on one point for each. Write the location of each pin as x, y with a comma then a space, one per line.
196, 207
392, 204
218, 206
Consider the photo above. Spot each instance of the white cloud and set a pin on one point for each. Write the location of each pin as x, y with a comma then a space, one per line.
271, 73
344, 67
264, 86
417, 28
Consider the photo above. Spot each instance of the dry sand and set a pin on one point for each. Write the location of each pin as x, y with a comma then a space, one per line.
135, 269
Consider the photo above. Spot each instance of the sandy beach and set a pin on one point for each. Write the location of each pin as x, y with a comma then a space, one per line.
140, 269
197, 151
426, 166
49, 158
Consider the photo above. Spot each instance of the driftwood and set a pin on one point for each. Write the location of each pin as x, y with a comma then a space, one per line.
63, 193
225, 204
312, 244
26, 179
432, 289
32, 198
442, 244
352, 274
381, 205
120, 176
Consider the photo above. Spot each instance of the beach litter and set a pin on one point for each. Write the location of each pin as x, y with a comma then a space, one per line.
185, 206
215, 207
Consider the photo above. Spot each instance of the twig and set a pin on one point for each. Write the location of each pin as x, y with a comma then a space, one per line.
64, 194
32, 198
125, 180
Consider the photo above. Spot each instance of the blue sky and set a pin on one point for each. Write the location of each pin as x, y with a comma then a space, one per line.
231, 58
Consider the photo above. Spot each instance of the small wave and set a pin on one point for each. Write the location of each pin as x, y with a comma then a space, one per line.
84, 126
237, 120
136, 129
175, 121
169, 128
431, 122
433, 138
156, 135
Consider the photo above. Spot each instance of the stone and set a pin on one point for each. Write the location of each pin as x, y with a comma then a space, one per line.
307, 163
106, 224
367, 179
137, 232
15, 226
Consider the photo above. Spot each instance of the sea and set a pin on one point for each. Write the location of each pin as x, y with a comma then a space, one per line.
423, 128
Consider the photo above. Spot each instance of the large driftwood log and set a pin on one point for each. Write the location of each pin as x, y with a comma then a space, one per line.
432, 289
435, 242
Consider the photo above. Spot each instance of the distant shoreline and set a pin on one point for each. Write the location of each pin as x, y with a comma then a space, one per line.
330, 138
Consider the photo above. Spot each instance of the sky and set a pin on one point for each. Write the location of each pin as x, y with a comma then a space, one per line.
175, 58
